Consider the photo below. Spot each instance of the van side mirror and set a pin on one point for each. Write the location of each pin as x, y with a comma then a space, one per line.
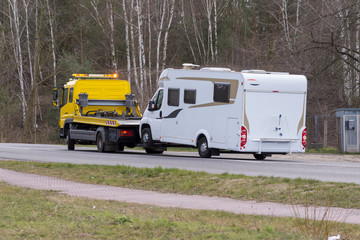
151, 106
55, 97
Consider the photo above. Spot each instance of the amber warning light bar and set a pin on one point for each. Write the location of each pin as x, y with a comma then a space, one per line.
81, 75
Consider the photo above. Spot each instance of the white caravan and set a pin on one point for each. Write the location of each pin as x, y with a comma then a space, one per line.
216, 109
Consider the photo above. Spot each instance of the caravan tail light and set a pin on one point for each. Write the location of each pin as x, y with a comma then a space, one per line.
303, 138
243, 136
126, 133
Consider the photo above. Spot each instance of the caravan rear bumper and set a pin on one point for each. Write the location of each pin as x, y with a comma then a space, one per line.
274, 145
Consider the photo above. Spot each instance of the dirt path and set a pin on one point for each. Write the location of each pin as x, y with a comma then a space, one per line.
174, 200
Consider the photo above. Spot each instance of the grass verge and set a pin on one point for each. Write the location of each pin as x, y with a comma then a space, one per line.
34, 214
262, 189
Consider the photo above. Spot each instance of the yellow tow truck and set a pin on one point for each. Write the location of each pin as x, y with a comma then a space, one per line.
98, 109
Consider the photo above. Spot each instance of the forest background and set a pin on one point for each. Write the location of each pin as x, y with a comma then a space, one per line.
42, 42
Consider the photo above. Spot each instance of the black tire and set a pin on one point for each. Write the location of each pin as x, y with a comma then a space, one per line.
70, 142
120, 148
100, 143
147, 141
259, 156
203, 148
146, 138
153, 151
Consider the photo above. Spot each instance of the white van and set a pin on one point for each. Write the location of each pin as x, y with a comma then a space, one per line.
213, 109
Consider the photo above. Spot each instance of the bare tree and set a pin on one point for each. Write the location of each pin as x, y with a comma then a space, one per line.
16, 36
51, 19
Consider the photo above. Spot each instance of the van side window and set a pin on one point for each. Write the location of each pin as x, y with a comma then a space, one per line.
190, 96
71, 94
221, 92
173, 96
64, 97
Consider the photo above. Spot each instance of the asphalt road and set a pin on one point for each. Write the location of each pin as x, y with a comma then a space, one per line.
334, 168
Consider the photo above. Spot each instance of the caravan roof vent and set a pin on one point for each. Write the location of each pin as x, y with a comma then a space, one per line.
188, 66
279, 73
254, 71
216, 69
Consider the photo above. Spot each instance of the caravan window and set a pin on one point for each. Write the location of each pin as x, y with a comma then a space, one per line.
190, 96
173, 96
221, 92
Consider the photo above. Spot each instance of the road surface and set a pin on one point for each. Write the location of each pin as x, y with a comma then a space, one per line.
334, 168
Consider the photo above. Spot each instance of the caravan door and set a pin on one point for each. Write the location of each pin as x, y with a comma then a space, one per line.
233, 134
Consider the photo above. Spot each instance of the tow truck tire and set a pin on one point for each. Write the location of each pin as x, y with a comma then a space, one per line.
120, 148
259, 156
100, 143
70, 142
203, 148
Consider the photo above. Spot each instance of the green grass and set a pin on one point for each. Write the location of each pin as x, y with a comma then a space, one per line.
262, 189
331, 150
34, 214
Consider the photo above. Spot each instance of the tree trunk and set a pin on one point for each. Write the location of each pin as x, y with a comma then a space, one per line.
133, 51
15, 31
167, 34
52, 39
149, 50
142, 69
112, 35
28, 42
159, 33
127, 40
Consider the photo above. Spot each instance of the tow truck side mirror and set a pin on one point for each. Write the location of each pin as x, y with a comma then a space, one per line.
55, 97
151, 106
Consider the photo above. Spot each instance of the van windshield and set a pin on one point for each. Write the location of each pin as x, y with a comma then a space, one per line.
158, 98
64, 97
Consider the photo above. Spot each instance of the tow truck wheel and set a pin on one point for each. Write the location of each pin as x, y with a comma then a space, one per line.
259, 156
100, 143
203, 148
70, 142
120, 147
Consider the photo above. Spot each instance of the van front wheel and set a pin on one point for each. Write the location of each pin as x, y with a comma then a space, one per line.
146, 138
203, 148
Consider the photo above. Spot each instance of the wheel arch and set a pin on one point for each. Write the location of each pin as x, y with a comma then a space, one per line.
142, 127
100, 130
200, 134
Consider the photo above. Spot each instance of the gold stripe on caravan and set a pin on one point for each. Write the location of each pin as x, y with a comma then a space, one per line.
246, 120
301, 122
234, 83
212, 104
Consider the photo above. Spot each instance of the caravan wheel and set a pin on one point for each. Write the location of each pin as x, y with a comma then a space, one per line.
259, 156
203, 148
